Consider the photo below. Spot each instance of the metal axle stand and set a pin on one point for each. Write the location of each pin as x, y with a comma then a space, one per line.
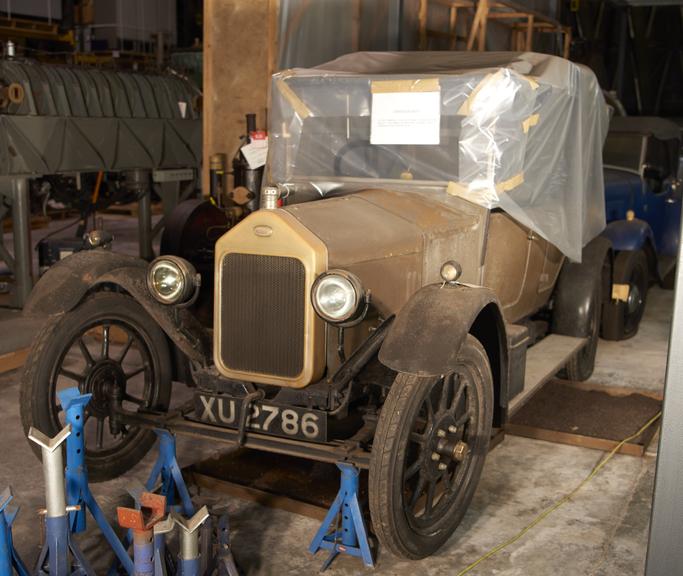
77, 489
142, 521
54, 558
167, 473
224, 558
189, 564
167, 469
9, 559
352, 537
162, 528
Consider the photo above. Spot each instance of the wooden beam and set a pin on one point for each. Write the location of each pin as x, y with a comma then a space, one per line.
13, 360
631, 448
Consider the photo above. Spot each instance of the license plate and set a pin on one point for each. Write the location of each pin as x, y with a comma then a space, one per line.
264, 417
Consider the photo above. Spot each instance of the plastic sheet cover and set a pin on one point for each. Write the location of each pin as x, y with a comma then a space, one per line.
521, 132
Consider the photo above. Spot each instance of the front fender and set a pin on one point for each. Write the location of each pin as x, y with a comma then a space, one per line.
628, 234
65, 284
426, 336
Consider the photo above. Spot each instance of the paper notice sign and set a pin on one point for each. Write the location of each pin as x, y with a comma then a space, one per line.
256, 153
410, 117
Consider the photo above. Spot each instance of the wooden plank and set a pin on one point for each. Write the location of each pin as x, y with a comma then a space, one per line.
13, 360
261, 497
543, 361
632, 449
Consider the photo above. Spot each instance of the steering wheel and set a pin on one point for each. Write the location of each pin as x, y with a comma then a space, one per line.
371, 167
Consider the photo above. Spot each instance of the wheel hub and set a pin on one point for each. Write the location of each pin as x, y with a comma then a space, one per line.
634, 299
104, 378
446, 446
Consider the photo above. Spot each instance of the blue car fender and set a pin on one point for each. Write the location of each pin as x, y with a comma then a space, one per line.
629, 234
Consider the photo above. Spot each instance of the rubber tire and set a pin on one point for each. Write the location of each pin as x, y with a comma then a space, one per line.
614, 321
46, 351
389, 446
581, 365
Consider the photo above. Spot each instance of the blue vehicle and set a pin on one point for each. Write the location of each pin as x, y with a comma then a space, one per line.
643, 209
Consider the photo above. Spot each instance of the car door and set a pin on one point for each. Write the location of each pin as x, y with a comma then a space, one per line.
508, 264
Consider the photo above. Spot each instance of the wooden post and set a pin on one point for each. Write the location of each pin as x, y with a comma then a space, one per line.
567, 42
474, 30
529, 32
452, 27
355, 25
483, 25
422, 20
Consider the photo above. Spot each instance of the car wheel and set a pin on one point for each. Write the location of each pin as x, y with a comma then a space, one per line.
108, 342
428, 452
621, 319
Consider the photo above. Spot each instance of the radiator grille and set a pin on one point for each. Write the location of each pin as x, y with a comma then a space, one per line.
262, 314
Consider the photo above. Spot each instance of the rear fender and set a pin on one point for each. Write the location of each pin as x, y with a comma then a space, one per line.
66, 283
573, 295
629, 234
427, 334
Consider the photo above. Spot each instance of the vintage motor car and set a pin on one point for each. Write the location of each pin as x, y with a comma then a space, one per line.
643, 209
427, 254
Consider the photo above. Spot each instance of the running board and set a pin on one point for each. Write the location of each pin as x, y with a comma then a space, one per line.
543, 361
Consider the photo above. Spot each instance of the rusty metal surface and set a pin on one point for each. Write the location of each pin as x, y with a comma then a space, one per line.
427, 334
152, 510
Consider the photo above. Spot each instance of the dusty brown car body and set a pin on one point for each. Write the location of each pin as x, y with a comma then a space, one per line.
395, 242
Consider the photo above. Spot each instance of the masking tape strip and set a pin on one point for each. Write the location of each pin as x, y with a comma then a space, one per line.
532, 82
465, 109
620, 292
414, 85
460, 189
294, 101
529, 122
510, 183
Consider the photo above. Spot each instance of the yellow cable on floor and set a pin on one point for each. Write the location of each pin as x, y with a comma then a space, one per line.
543, 515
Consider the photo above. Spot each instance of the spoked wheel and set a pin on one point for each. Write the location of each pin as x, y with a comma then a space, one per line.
428, 452
109, 347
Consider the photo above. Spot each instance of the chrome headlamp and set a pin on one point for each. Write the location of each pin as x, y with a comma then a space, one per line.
338, 297
172, 280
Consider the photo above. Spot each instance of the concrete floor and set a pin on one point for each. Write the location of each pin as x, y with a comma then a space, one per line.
602, 531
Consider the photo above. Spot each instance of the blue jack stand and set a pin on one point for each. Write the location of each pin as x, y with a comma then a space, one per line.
77, 489
9, 559
352, 537
60, 555
167, 470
